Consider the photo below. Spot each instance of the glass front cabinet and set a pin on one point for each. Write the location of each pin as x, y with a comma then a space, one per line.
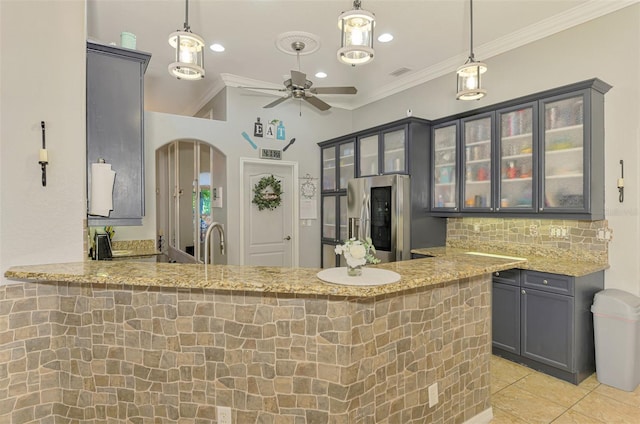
383, 152
516, 157
338, 167
541, 155
565, 154
477, 193
445, 167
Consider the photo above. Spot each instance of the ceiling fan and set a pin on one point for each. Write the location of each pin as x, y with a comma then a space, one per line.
299, 87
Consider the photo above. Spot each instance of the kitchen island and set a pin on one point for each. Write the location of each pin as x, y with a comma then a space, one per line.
95, 342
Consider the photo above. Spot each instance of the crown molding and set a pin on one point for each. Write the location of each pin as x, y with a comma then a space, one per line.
205, 98
545, 28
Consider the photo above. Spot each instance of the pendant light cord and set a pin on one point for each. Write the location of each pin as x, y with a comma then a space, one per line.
471, 28
187, 28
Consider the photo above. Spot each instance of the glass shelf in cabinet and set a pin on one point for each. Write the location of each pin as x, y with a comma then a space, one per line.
477, 181
560, 176
571, 150
518, 156
567, 128
478, 161
512, 137
516, 180
478, 142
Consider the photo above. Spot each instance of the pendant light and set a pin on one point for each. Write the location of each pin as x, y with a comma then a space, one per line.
189, 47
356, 27
469, 82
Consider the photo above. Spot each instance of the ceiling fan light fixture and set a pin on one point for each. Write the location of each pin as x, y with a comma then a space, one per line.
189, 59
469, 82
356, 27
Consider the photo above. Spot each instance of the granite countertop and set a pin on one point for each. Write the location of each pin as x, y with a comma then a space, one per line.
550, 264
415, 273
134, 253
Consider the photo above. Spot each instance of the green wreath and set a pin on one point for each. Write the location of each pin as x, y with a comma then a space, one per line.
267, 199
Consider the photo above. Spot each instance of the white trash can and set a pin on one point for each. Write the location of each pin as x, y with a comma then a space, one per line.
616, 325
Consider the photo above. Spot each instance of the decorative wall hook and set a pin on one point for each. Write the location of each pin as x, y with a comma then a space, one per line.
621, 182
44, 159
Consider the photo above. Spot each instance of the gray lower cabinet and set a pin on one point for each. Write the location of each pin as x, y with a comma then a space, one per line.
506, 310
544, 321
115, 130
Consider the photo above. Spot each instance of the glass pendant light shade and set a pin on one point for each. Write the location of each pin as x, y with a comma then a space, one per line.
356, 46
469, 80
469, 85
189, 62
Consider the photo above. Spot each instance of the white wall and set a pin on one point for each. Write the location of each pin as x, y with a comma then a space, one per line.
42, 78
607, 48
243, 109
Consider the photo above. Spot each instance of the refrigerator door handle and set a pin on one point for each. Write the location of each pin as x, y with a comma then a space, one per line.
365, 227
354, 227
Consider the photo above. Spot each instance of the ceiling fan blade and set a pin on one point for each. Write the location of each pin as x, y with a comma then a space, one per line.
263, 88
298, 79
334, 90
320, 104
277, 102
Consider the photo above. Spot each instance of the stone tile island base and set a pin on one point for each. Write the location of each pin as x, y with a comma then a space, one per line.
74, 353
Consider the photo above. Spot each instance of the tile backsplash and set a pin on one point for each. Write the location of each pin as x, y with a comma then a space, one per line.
566, 239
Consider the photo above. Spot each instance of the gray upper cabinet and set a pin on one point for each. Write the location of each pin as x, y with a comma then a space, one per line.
383, 152
115, 111
541, 154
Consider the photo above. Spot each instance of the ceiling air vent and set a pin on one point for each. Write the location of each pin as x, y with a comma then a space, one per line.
400, 71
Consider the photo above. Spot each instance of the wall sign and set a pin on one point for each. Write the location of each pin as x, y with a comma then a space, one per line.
270, 154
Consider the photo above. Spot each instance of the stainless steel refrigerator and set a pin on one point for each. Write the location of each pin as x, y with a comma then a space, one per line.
379, 207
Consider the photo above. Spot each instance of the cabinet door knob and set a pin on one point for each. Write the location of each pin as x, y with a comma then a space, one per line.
545, 282
524, 292
497, 274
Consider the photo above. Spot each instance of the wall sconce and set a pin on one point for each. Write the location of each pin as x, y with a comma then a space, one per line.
189, 47
44, 157
356, 27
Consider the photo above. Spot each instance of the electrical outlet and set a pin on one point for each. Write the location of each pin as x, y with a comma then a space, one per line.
533, 230
433, 394
224, 415
476, 228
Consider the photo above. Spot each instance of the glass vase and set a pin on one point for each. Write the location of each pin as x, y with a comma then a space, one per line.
354, 271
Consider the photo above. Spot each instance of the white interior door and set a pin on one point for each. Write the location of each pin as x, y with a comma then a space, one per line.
269, 237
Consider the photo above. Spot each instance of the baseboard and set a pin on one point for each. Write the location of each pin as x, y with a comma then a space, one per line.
482, 418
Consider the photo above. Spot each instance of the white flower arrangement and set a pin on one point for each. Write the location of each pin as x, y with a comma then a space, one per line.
357, 252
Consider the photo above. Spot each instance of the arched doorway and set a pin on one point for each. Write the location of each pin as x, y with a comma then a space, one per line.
191, 181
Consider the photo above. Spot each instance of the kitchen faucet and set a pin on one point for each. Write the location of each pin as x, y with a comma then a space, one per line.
218, 226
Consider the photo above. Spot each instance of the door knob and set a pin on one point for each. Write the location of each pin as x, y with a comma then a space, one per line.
287, 238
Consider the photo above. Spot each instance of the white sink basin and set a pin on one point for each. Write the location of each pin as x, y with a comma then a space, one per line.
491, 255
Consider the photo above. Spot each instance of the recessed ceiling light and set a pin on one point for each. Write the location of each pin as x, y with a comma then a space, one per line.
217, 47
321, 75
385, 38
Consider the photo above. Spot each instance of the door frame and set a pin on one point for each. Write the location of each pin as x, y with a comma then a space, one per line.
290, 168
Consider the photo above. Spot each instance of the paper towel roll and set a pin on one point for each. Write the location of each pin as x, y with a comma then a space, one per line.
102, 179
